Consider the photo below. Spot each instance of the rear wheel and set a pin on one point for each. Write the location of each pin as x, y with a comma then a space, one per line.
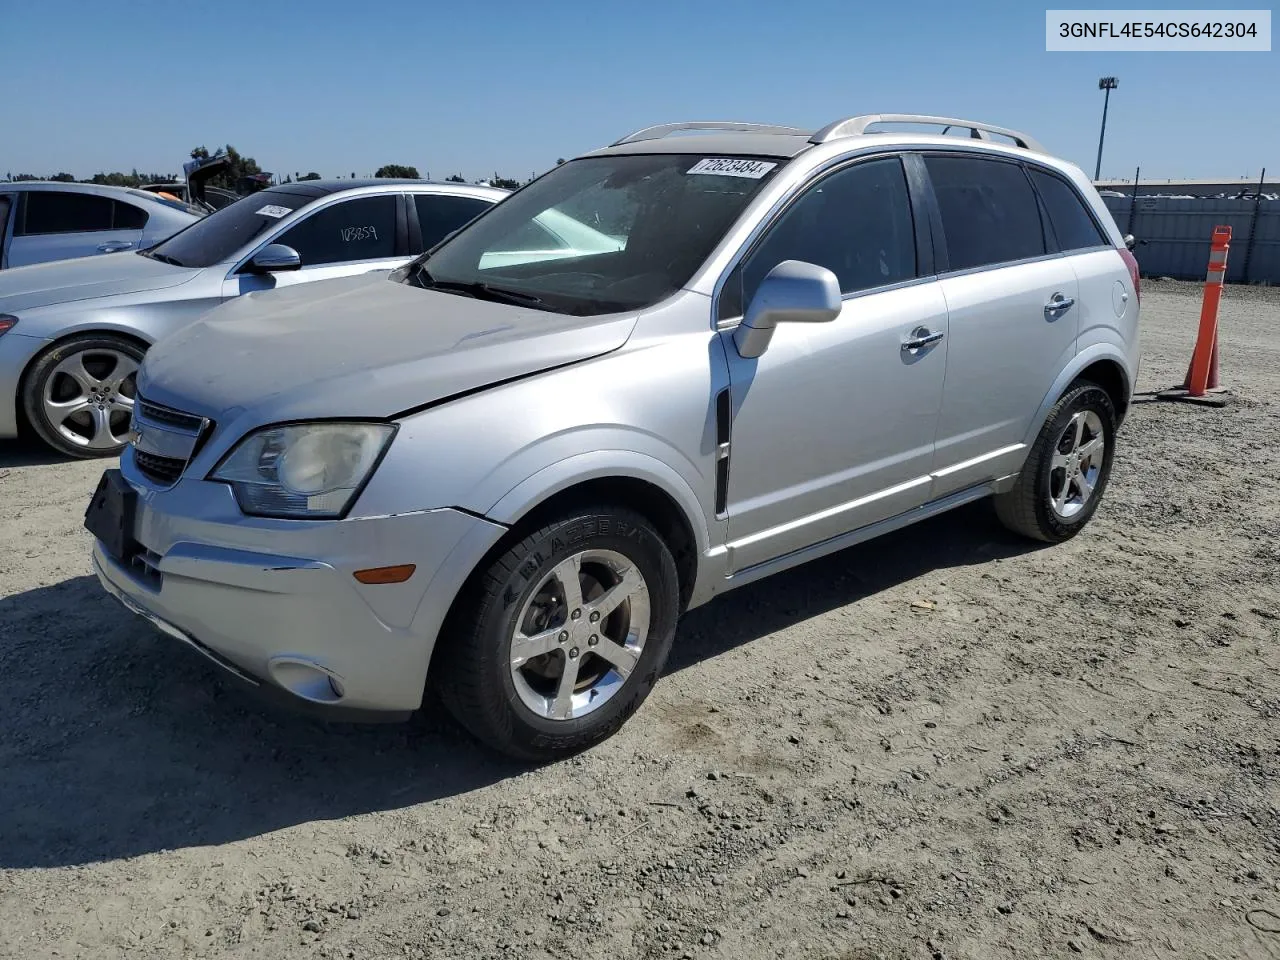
1067, 469
561, 639
79, 395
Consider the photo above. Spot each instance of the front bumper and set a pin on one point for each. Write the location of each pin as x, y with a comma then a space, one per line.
275, 602
16, 351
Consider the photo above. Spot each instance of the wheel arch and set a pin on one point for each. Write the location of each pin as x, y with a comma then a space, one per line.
636, 481
1110, 376
645, 498
666, 505
20, 387
1105, 365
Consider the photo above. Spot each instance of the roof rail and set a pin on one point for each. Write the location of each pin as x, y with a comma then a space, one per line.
664, 129
853, 126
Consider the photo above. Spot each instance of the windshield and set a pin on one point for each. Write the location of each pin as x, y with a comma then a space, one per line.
600, 234
220, 235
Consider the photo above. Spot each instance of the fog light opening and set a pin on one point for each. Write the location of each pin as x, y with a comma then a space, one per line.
306, 679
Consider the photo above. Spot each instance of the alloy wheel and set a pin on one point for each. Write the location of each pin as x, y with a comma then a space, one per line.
88, 398
1078, 458
580, 634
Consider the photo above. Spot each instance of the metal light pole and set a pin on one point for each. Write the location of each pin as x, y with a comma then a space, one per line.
1108, 84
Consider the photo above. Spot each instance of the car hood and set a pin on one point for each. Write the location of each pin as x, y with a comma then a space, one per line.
86, 278
355, 347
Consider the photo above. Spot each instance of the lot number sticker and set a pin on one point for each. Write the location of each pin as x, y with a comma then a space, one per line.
730, 167
272, 210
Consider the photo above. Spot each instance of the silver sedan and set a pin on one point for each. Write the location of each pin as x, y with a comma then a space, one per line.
43, 221
72, 333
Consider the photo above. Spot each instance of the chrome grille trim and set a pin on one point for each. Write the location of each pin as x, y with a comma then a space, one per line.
167, 415
162, 470
165, 440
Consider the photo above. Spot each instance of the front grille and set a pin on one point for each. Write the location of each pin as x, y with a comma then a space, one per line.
165, 470
167, 415
166, 440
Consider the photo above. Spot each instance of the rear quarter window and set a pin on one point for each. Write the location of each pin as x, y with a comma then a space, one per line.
128, 217
1069, 218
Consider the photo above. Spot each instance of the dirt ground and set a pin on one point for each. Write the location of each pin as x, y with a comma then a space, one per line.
945, 743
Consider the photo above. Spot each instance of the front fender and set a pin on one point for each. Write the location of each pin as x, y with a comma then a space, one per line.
145, 321
598, 465
1085, 358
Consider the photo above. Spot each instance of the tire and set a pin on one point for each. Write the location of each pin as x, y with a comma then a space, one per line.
78, 395
512, 698
1038, 506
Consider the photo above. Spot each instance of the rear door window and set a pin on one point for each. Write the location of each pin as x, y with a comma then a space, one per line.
989, 211
439, 215
363, 228
53, 211
1072, 224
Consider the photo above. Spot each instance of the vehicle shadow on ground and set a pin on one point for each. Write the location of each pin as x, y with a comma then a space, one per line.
116, 742
26, 452
967, 536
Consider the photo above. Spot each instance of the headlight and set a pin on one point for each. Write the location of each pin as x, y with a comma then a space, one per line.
303, 470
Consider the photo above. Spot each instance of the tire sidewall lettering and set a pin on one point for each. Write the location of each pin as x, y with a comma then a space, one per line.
563, 542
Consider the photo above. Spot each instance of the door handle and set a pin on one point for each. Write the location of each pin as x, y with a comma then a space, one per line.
921, 338
114, 246
1057, 303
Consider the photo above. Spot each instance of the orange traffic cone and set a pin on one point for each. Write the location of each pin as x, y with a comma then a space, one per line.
1202, 372
1212, 383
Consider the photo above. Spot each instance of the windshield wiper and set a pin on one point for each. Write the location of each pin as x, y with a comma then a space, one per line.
479, 290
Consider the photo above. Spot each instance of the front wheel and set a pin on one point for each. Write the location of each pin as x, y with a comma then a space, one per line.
1067, 469
560, 640
78, 396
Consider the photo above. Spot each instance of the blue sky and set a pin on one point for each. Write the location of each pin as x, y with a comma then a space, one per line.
473, 88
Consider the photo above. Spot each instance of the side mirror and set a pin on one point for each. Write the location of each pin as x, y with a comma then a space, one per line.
275, 257
1129, 241
792, 292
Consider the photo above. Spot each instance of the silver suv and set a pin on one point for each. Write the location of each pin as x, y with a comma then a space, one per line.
661, 371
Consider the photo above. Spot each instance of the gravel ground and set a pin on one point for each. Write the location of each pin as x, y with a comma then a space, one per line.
945, 743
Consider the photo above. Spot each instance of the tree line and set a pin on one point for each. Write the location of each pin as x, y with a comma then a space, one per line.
242, 170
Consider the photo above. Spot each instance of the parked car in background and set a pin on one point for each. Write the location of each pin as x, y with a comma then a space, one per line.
509, 475
72, 333
215, 197
194, 188
43, 221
